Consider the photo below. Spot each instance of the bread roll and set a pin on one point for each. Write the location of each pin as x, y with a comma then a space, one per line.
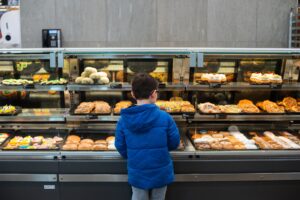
87, 141
87, 81
90, 70
78, 80
70, 147
110, 139
85, 147
73, 138
100, 147
111, 147
95, 76
101, 142
72, 142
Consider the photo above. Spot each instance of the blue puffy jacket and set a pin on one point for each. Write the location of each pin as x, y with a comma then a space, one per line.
144, 136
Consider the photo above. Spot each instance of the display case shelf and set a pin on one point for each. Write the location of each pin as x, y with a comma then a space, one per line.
37, 115
35, 87
245, 117
123, 87
241, 86
108, 118
108, 88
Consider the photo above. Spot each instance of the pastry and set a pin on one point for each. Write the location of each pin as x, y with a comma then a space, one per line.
110, 139
248, 144
277, 140
16, 82
230, 109
111, 147
188, 109
85, 146
8, 109
290, 104
121, 105
208, 108
60, 81
100, 142
91, 76
247, 106
213, 78
86, 80
268, 78
85, 108
58, 139
216, 146
202, 146
28, 142
99, 147
87, 141
270, 107
175, 106
290, 136
73, 138
290, 143
98, 107
102, 107
262, 143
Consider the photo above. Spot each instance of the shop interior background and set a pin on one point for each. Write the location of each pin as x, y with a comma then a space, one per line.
158, 23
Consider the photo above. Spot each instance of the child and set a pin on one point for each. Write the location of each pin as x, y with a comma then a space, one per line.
144, 137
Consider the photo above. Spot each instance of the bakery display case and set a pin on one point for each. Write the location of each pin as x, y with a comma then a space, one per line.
234, 133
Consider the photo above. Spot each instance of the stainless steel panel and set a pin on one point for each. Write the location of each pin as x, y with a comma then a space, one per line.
264, 154
92, 178
28, 177
237, 177
86, 155
185, 177
29, 155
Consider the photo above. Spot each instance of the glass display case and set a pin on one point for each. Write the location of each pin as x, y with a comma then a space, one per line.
232, 130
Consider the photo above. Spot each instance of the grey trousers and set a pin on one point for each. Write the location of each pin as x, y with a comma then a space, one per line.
154, 194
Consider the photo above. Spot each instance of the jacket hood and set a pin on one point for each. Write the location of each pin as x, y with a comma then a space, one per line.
140, 118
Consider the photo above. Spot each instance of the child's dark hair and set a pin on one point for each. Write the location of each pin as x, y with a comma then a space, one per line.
143, 85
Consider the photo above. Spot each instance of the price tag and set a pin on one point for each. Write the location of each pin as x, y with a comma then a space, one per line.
49, 187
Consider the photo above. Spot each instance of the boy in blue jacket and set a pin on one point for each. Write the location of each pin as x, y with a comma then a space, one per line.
144, 137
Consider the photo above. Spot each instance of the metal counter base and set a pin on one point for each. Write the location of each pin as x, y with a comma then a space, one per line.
105, 178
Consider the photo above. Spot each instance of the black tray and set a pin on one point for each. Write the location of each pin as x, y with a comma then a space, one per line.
243, 132
73, 108
45, 133
242, 113
91, 134
116, 85
18, 111
271, 85
249, 136
212, 85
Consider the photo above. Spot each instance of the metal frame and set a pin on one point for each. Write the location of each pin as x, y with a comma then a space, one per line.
65, 120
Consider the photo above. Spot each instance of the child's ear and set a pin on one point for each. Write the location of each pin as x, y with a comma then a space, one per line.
132, 95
